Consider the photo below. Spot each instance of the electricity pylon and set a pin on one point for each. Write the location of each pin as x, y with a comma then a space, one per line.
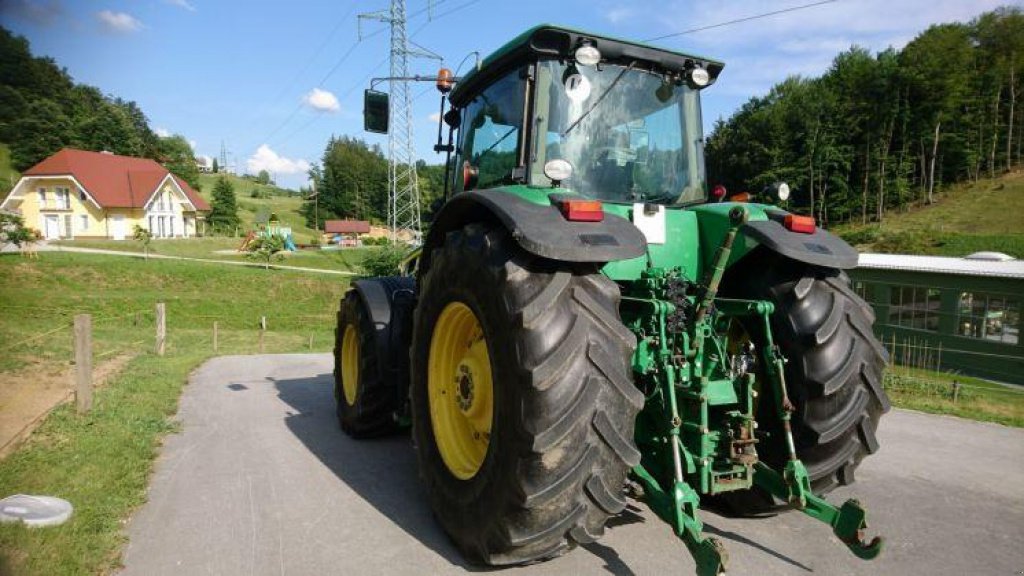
404, 193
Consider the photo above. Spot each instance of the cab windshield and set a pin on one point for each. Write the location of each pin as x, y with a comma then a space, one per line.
629, 135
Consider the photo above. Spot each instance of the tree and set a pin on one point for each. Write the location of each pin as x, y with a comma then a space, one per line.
13, 231
265, 248
224, 207
144, 237
263, 177
216, 166
352, 182
176, 155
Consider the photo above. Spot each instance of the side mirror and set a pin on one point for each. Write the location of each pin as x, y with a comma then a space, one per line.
376, 110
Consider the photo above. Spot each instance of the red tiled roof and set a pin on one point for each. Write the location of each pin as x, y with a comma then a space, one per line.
347, 227
113, 181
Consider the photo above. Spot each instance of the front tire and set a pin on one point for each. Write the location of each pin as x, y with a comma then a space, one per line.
371, 358
550, 461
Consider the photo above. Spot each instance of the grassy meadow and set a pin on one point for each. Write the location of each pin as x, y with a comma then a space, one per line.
101, 461
276, 201
967, 218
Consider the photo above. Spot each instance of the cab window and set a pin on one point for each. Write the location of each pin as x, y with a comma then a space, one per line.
492, 125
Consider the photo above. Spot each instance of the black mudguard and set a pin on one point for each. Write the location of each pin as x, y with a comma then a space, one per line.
540, 230
821, 248
390, 301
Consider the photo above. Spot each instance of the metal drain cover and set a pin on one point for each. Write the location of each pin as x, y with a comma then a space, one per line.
35, 510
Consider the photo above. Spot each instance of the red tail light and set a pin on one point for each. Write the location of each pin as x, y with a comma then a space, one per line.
581, 210
719, 192
802, 224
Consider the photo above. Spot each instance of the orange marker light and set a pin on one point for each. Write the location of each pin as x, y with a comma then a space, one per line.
445, 80
801, 224
581, 210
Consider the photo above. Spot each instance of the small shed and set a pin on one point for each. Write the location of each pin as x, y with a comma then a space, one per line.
346, 232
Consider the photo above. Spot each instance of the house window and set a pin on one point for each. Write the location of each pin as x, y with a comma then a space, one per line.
83, 222
916, 308
63, 199
81, 195
988, 316
171, 226
42, 197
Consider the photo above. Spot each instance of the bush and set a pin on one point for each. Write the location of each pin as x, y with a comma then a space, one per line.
260, 193
383, 261
381, 241
867, 235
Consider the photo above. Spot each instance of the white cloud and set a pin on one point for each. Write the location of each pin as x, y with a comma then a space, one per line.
267, 159
617, 15
192, 143
434, 117
322, 101
118, 22
162, 132
184, 4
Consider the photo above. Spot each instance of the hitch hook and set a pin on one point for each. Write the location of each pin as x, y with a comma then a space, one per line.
849, 527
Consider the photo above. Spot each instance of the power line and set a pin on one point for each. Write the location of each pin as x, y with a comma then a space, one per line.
316, 54
739, 20
379, 65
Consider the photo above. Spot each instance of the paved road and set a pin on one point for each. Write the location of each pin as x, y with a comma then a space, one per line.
261, 481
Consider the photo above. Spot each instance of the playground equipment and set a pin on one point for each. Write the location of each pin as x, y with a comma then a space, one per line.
271, 228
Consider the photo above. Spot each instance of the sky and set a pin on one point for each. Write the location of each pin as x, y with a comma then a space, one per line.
273, 80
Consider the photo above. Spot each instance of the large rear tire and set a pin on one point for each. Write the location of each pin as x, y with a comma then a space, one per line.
834, 372
542, 340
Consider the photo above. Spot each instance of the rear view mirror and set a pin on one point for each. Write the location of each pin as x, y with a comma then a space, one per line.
376, 108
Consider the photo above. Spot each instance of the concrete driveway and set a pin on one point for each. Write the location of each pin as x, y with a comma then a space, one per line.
261, 481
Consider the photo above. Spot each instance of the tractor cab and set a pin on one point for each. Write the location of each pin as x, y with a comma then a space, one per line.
603, 118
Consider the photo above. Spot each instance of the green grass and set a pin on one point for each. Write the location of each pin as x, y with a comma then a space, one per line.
977, 399
101, 461
967, 218
211, 248
8, 175
286, 207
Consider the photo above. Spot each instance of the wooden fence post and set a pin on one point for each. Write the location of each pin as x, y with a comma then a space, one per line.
161, 328
263, 328
311, 341
215, 335
956, 391
83, 362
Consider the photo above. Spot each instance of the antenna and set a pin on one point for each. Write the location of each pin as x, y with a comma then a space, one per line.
404, 193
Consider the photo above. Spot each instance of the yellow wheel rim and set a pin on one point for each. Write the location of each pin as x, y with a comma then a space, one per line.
350, 364
460, 390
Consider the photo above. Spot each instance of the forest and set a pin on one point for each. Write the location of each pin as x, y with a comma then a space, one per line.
882, 132
42, 110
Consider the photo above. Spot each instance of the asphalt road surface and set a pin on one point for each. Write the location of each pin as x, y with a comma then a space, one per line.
262, 481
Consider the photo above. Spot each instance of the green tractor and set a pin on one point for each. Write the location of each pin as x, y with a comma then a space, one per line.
583, 320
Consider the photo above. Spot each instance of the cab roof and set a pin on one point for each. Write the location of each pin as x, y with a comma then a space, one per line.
550, 41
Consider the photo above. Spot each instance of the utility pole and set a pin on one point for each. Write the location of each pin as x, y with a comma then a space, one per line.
404, 193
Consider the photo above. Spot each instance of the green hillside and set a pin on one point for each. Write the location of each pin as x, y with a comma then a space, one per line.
986, 215
283, 202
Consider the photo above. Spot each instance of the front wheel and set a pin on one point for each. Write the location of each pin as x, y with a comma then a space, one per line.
523, 407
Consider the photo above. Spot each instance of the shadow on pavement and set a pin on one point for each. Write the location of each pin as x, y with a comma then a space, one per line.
382, 471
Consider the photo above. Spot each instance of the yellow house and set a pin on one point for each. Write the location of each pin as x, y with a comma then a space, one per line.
79, 194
